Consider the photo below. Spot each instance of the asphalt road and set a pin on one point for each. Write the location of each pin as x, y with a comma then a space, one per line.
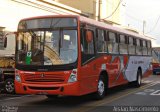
121, 99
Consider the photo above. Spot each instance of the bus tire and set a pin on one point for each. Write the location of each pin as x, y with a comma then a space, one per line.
139, 78
9, 86
52, 96
101, 88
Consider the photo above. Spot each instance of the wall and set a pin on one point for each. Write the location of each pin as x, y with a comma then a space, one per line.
83, 5
107, 8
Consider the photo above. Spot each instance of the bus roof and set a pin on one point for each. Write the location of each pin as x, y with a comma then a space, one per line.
49, 16
95, 23
112, 28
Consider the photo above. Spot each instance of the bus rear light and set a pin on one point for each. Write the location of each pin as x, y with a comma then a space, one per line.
73, 76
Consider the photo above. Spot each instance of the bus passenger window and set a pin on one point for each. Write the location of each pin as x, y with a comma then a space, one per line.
100, 41
145, 47
149, 48
138, 47
123, 46
131, 46
112, 45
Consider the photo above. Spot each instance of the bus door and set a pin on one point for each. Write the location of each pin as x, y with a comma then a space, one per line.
89, 68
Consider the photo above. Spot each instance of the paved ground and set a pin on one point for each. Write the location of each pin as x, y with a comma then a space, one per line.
121, 99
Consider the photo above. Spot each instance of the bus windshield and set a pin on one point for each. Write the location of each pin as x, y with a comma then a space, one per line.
46, 47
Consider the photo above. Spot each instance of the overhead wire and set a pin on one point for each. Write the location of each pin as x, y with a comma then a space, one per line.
134, 18
154, 26
113, 11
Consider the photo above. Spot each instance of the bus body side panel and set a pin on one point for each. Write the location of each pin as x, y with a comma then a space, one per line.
120, 70
90, 72
134, 63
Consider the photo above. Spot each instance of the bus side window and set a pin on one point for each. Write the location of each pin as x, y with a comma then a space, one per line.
87, 45
112, 44
144, 47
123, 45
131, 46
149, 48
100, 41
138, 47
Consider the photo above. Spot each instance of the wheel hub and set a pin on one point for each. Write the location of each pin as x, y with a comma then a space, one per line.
9, 87
100, 87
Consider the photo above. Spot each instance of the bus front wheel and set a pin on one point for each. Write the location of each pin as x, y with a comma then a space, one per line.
9, 86
101, 88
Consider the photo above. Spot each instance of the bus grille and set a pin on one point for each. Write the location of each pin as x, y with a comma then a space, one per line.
43, 88
44, 78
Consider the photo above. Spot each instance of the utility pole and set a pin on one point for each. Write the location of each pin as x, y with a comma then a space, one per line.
96, 9
144, 25
99, 10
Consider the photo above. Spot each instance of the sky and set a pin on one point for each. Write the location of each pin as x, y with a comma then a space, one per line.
137, 11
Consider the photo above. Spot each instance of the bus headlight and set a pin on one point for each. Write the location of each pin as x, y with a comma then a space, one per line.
73, 76
17, 78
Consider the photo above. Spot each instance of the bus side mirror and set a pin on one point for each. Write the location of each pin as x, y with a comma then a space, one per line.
89, 36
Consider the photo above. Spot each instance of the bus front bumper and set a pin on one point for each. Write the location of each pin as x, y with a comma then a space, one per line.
48, 89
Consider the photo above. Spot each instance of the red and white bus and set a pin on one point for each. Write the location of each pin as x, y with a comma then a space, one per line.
75, 55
